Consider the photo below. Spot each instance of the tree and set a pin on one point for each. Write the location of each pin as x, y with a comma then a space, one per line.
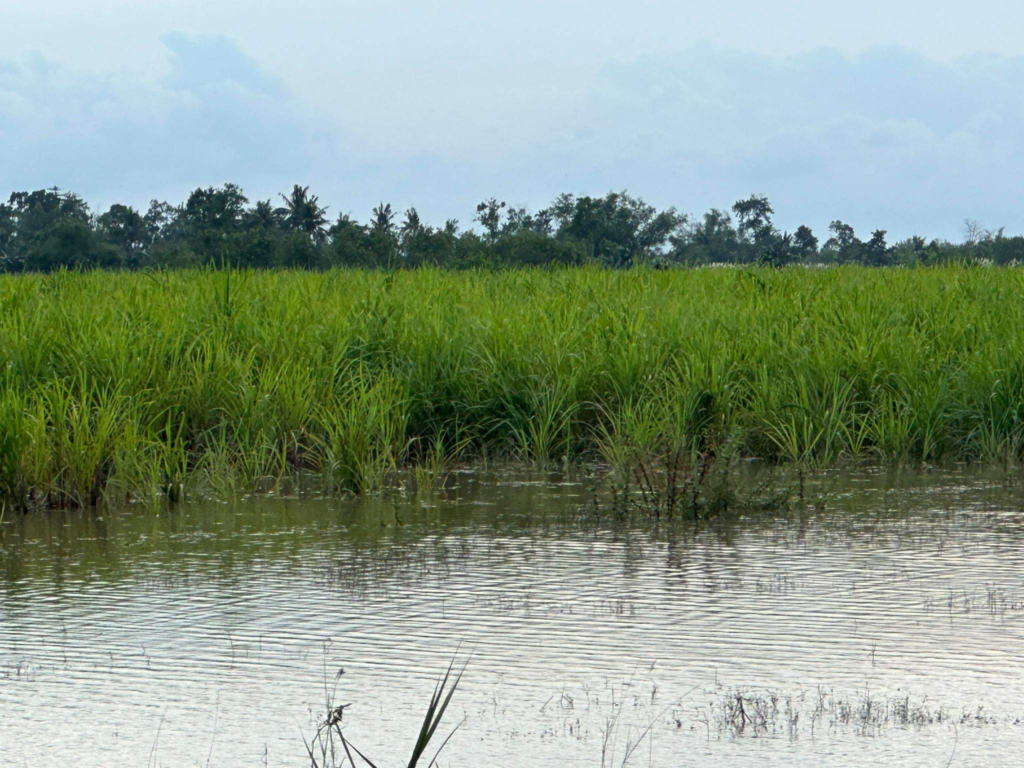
618, 228
27, 218
488, 214
8, 228
208, 223
69, 242
805, 244
383, 240
755, 217
125, 228
711, 240
48, 228
302, 213
213, 210
843, 243
383, 221
263, 247
412, 225
521, 220
416, 241
876, 252
1001, 249
263, 216
297, 249
975, 234
843, 235
32, 212
164, 221
349, 242
530, 248
777, 250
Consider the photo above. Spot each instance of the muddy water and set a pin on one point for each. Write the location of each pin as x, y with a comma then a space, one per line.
888, 627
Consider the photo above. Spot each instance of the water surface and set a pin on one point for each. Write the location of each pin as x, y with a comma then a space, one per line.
887, 627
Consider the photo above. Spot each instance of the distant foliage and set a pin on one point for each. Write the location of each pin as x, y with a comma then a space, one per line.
50, 229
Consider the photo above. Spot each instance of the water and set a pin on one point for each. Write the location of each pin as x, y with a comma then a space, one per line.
886, 628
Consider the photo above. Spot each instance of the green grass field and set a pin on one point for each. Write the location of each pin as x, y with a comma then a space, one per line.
125, 385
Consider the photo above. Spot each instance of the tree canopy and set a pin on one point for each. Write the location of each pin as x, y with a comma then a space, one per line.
50, 229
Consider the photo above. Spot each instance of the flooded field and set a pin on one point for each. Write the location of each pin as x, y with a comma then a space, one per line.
887, 627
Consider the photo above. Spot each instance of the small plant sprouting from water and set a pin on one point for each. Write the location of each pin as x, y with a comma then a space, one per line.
771, 713
330, 748
433, 461
676, 481
696, 481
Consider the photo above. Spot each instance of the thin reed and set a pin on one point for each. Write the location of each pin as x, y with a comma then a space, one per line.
142, 385
330, 748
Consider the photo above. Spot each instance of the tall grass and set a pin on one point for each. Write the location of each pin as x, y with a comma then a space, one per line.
125, 385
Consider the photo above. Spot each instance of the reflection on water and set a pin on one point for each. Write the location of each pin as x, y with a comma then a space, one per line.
886, 627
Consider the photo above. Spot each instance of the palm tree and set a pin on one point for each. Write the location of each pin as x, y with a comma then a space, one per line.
383, 220
263, 216
304, 214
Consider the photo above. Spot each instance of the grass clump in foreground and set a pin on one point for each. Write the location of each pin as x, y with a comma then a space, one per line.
129, 385
330, 749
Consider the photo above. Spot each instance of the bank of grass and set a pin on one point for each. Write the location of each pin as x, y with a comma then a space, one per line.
133, 385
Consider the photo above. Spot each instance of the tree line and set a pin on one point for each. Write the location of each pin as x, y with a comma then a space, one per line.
51, 229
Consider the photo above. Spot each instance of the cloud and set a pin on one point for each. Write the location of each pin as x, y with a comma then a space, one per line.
214, 117
886, 138
214, 64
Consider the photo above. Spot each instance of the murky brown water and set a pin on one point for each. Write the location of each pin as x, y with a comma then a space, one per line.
887, 628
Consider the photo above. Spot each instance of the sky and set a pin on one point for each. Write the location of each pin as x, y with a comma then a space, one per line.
903, 116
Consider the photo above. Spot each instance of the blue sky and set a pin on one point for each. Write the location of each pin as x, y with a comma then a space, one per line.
899, 115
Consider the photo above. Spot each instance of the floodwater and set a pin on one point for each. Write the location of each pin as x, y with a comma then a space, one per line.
887, 627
